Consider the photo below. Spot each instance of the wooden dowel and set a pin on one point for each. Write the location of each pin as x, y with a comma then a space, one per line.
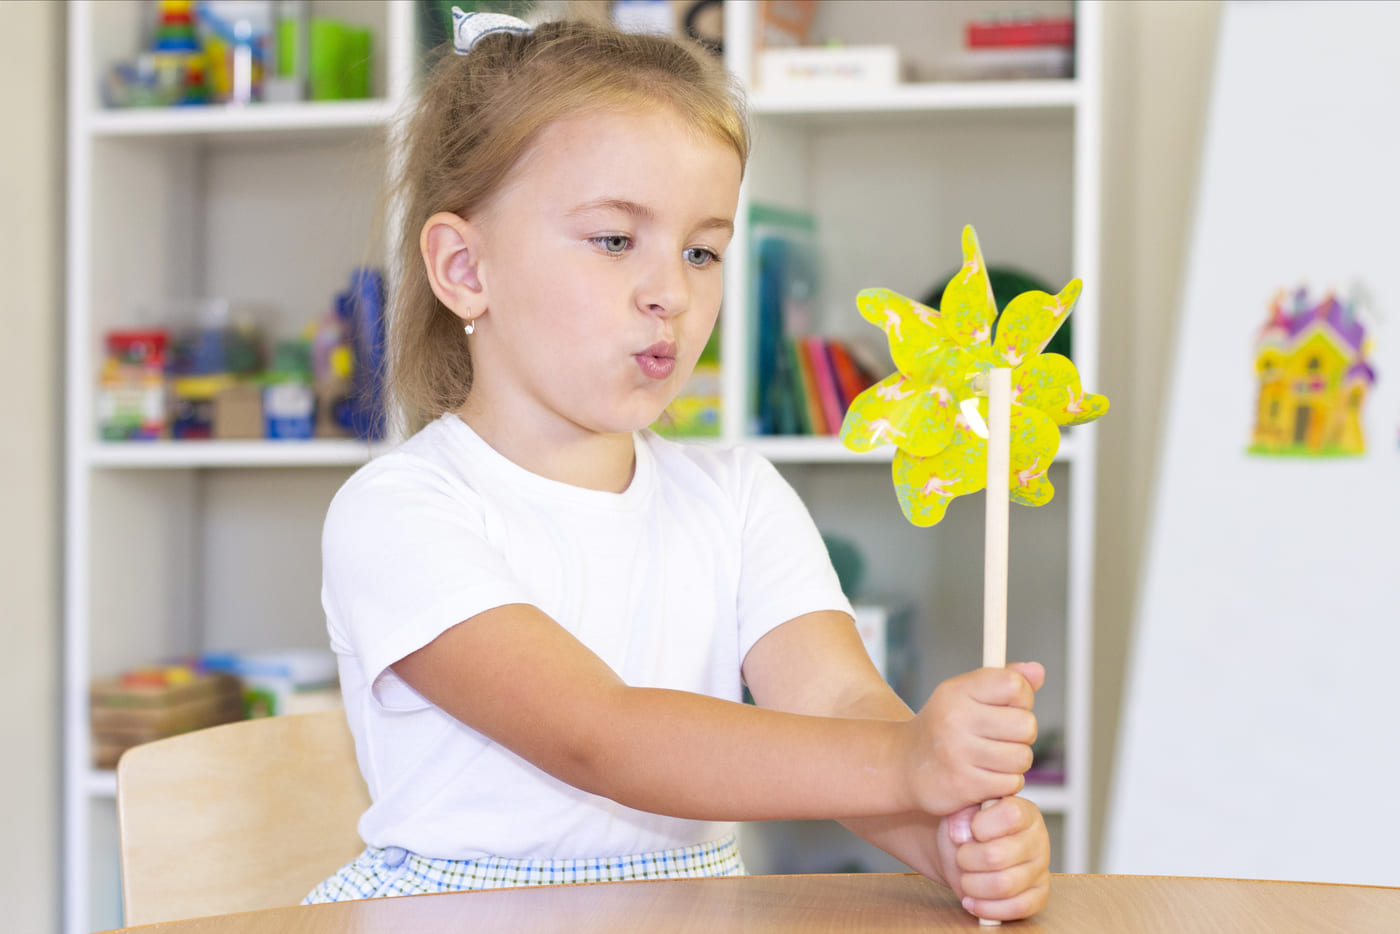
995, 563
998, 519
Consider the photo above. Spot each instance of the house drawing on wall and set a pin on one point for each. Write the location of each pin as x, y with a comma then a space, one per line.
1310, 360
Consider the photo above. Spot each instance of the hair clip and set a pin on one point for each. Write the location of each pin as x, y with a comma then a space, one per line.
469, 28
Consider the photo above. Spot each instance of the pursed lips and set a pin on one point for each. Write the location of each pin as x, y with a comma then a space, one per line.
661, 349
657, 361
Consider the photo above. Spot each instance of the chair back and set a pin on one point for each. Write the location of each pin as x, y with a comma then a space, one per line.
238, 817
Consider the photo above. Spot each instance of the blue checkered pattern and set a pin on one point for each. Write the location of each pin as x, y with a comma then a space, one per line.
388, 871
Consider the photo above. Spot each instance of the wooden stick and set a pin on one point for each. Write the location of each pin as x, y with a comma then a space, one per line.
998, 519
995, 557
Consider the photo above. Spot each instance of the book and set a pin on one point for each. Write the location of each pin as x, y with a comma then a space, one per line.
833, 411
1021, 33
849, 378
783, 277
805, 392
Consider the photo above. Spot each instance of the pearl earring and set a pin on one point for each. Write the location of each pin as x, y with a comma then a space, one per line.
470, 327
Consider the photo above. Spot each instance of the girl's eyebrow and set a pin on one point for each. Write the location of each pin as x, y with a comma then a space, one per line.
642, 212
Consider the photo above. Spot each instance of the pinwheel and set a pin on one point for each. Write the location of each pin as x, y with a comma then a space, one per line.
973, 403
935, 407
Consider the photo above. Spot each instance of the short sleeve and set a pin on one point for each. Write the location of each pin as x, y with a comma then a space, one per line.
785, 569
405, 556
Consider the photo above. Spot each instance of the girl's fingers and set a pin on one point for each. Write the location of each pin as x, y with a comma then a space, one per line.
1004, 757
1001, 687
1008, 816
1005, 869
1001, 869
1009, 724
960, 825
1019, 906
1033, 672
1014, 854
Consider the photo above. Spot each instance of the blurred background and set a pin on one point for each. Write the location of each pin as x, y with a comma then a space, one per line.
1028, 167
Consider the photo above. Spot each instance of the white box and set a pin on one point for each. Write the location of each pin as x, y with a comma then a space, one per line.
850, 68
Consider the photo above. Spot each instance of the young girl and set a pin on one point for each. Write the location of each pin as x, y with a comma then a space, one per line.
544, 613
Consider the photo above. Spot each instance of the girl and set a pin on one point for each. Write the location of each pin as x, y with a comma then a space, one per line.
544, 613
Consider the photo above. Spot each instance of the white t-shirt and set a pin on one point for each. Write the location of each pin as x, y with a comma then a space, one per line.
670, 582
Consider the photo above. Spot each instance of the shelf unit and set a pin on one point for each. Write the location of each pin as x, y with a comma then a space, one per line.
890, 177
168, 544
180, 546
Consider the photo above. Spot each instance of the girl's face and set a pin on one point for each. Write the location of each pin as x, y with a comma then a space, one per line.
599, 261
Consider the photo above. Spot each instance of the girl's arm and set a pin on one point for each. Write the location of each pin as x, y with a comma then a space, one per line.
816, 664
518, 677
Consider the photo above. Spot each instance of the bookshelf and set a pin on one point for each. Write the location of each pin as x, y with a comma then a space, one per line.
174, 547
177, 547
890, 176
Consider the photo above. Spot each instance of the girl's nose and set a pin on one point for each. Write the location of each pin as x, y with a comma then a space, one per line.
665, 290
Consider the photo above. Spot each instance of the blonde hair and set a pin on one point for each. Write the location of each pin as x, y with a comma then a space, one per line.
477, 116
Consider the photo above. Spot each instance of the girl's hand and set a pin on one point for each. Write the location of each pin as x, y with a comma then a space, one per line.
997, 860
972, 741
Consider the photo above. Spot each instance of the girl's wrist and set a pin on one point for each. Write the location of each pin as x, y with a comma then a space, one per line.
911, 767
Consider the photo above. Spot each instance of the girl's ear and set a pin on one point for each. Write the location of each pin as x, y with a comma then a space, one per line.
451, 254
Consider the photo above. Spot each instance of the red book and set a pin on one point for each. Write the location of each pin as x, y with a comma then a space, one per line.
849, 378
1023, 34
832, 409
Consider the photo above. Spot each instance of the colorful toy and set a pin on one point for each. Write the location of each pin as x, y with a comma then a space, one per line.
170, 73
935, 408
974, 403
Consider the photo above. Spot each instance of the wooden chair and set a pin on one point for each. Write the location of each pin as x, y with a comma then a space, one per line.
237, 817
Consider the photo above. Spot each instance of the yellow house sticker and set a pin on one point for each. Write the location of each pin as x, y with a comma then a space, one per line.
1314, 372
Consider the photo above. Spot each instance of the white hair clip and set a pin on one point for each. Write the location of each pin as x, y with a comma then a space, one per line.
469, 28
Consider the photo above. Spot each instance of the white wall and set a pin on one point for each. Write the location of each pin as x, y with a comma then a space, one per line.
1158, 60
31, 465
1258, 726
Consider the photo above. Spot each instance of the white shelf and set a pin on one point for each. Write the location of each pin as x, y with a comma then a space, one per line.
288, 121
145, 455
1061, 94
181, 454
828, 449
799, 449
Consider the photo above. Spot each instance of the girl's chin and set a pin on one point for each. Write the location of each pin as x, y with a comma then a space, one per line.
641, 409
625, 423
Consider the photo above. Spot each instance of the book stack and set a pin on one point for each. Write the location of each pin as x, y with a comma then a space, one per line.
824, 377
801, 384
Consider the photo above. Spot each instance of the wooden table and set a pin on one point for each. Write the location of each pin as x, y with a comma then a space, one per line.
880, 903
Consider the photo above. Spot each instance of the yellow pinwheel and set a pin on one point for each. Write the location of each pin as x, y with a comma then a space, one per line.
934, 408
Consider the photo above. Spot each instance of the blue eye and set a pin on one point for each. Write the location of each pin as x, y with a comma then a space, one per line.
613, 243
700, 256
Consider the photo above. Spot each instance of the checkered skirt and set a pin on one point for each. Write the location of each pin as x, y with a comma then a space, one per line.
388, 871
